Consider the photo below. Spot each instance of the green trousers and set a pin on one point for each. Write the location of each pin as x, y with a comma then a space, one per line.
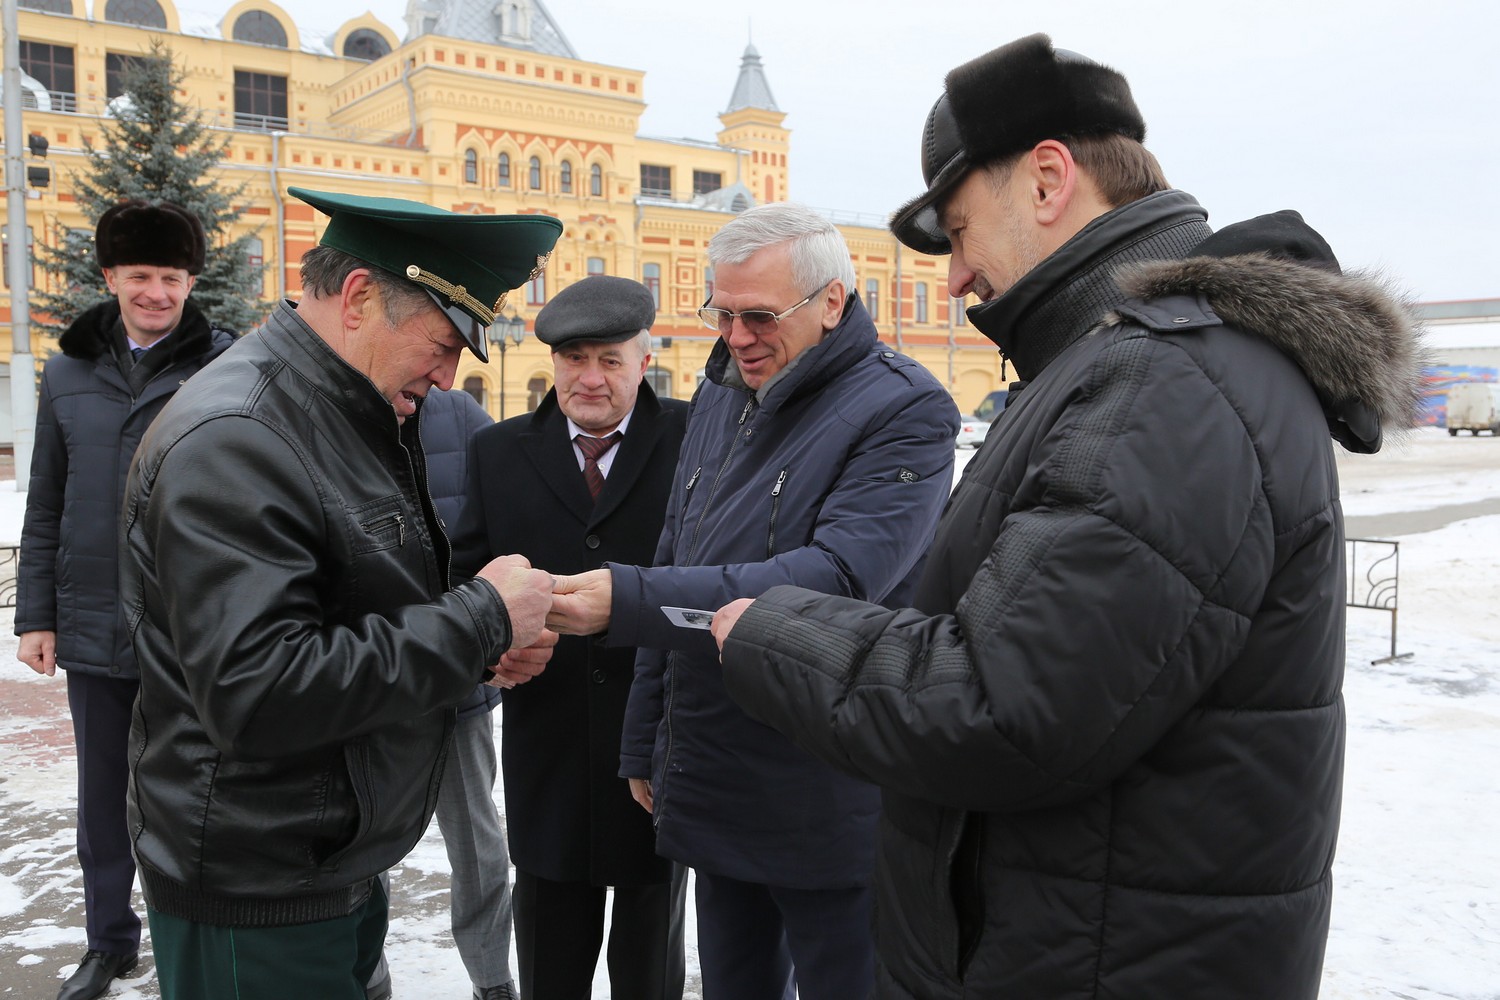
327, 960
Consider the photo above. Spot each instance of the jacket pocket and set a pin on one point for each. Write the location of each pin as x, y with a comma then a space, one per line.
347, 808
775, 508
380, 524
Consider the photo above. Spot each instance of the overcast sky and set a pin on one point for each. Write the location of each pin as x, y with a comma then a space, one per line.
1378, 120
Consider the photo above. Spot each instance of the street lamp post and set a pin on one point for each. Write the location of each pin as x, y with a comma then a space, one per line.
504, 331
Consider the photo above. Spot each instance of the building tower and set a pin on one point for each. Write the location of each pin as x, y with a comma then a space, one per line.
752, 123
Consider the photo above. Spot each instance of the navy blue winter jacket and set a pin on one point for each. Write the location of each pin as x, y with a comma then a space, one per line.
90, 417
832, 478
449, 419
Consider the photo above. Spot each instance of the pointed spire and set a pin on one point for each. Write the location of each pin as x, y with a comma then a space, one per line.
751, 90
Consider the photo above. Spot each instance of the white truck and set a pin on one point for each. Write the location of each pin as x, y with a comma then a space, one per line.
1474, 407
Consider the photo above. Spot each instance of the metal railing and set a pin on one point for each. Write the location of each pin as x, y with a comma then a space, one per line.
10, 557
1374, 567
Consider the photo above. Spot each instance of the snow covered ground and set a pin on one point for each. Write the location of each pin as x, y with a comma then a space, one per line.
1417, 899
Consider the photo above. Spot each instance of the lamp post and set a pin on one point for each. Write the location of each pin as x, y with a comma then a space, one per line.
504, 331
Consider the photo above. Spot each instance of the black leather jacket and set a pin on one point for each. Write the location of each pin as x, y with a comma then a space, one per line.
285, 584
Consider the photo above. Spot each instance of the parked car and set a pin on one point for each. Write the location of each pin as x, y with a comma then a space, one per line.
990, 406
971, 432
1474, 407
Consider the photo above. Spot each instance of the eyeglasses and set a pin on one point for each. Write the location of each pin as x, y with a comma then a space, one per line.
760, 322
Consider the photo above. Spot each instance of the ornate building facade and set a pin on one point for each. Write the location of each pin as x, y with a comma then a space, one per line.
481, 108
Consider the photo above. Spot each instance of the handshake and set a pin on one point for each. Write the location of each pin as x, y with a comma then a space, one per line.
543, 606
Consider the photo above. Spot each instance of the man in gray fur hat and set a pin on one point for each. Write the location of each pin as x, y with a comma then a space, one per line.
1109, 730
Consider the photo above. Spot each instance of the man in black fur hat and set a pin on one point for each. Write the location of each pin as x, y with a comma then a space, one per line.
1110, 732
120, 363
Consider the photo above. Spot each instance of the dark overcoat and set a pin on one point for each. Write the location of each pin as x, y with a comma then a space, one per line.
569, 815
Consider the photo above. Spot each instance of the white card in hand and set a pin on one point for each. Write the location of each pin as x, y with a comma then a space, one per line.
689, 617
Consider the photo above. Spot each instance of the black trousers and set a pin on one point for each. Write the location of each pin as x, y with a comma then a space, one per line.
101, 708
767, 942
559, 927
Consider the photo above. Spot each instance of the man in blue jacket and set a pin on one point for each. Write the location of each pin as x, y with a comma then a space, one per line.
813, 456
120, 363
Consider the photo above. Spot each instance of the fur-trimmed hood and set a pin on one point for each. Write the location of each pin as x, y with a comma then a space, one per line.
1354, 337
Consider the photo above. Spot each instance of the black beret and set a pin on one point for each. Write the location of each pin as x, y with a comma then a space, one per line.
161, 235
1004, 103
600, 308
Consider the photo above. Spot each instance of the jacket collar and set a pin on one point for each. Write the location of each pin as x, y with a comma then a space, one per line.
289, 337
92, 334
1067, 294
840, 349
546, 441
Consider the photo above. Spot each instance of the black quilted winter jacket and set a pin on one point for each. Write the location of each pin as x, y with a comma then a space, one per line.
1110, 732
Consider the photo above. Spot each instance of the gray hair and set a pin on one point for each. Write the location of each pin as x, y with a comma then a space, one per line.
818, 251
325, 269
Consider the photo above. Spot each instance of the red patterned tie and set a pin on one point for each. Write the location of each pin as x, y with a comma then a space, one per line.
593, 448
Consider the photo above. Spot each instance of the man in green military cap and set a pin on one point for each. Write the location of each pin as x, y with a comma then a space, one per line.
286, 585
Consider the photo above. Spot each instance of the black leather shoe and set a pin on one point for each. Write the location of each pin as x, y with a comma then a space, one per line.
505, 991
97, 970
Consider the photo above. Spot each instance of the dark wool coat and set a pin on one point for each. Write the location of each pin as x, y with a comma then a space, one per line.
832, 477
569, 816
1110, 733
92, 409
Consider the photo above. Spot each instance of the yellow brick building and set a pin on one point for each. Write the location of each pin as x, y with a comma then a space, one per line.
482, 108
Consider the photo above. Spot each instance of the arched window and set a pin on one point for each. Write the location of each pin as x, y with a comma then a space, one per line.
259, 27
474, 386
660, 381
536, 391
596, 181
365, 44
651, 278
566, 177
471, 167
503, 175
146, 13
534, 174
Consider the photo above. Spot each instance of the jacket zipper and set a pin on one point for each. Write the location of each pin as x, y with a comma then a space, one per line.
714, 489
380, 523
666, 762
671, 681
775, 506
687, 490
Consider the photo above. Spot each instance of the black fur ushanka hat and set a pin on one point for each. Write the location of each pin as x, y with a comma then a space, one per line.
1003, 103
162, 235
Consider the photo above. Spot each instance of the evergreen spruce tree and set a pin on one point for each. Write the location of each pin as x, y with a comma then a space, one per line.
154, 148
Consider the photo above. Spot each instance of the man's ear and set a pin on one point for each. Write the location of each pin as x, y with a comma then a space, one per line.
833, 303
109, 279
359, 300
1053, 178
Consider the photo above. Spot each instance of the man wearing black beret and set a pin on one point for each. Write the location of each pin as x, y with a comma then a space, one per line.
1109, 731
300, 648
119, 364
583, 479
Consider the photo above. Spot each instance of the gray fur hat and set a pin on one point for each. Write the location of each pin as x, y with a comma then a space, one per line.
600, 308
1004, 103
